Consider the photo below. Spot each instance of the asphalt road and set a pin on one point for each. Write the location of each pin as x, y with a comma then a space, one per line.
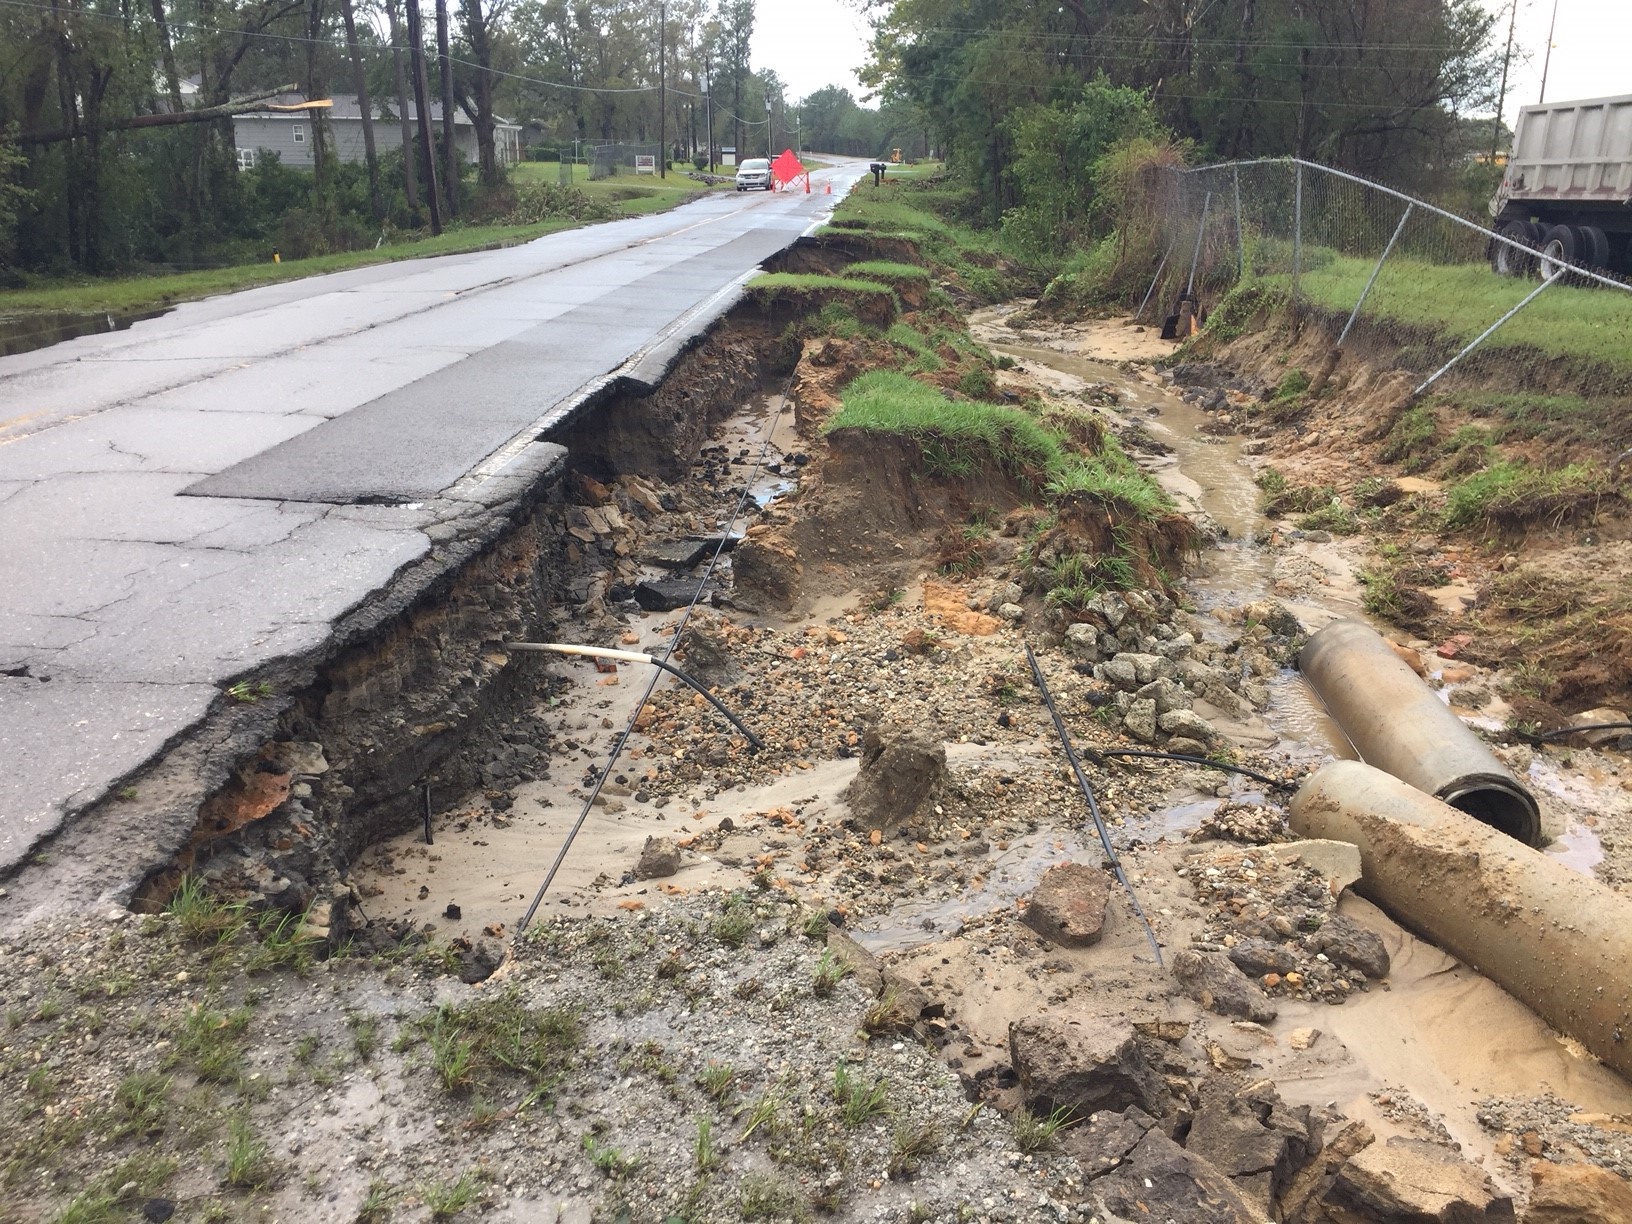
212, 490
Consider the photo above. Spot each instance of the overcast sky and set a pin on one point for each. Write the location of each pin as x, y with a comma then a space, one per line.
1592, 50
812, 43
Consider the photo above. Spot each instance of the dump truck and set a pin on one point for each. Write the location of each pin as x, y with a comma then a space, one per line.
1567, 194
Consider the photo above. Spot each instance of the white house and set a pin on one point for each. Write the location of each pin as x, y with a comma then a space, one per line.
289, 133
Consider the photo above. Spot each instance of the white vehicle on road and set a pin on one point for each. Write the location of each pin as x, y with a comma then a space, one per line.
754, 174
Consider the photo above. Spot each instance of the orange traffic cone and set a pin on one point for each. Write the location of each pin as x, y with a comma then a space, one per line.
807, 184
830, 189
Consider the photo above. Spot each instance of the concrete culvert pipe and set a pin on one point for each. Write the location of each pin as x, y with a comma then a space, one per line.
1553, 938
1399, 724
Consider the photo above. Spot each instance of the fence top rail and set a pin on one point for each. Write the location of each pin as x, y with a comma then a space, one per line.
1491, 235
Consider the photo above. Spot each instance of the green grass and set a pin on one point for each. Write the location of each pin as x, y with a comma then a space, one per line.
886, 270
769, 283
961, 437
966, 433
474, 1045
634, 194
1514, 495
135, 294
1459, 301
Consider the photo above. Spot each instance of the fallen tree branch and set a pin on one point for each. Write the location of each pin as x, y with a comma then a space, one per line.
255, 101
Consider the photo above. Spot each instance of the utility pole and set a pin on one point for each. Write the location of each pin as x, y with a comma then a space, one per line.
450, 146
769, 152
408, 183
1547, 60
422, 104
1501, 95
663, 91
708, 98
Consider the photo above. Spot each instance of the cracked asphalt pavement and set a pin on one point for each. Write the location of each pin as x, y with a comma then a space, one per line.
212, 490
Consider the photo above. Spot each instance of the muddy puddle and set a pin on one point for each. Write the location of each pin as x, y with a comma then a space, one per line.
26, 333
1396, 1048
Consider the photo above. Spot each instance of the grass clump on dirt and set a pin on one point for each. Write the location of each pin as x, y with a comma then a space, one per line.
958, 436
472, 1046
1510, 496
1411, 440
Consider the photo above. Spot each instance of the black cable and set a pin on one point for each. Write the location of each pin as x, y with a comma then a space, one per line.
1190, 758
1088, 793
1538, 737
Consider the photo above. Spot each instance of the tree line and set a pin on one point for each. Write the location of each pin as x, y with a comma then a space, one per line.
1023, 98
116, 116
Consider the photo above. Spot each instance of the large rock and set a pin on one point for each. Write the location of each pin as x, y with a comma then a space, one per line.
1104, 1141
766, 568
1211, 979
1421, 1183
1187, 724
1256, 957
705, 652
1160, 1181
1140, 720
667, 594
1348, 943
1068, 905
659, 858
1081, 1066
902, 769
1577, 1194
1252, 1137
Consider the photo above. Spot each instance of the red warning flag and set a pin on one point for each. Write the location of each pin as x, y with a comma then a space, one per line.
787, 167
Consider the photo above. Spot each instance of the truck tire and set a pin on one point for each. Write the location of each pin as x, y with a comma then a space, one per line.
1594, 247
1559, 246
1504, 260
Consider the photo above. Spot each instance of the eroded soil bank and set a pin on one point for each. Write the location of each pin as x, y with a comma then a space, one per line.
757, 989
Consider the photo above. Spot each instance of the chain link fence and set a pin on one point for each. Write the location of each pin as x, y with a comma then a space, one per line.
622, 157
1428, 291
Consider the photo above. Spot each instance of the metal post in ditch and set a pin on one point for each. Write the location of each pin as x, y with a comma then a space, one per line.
1297, 237
1240, 232
1488, 332
1372, 280
1154, 281
1195, 258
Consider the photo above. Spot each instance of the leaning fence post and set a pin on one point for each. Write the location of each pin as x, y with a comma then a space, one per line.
1240, 234
1488, 332
1160, 268
1297, 241
1201, 233
1336, 355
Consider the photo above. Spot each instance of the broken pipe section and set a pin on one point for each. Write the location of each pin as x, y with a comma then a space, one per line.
1555, 939
1397, 723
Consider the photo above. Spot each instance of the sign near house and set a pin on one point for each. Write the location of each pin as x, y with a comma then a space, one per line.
645, 163
728, 155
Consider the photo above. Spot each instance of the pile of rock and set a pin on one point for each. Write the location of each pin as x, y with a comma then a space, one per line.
1156, 664
1273, 924
1160, 1138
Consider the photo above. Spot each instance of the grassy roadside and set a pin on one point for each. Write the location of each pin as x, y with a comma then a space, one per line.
1461, 300
135, 294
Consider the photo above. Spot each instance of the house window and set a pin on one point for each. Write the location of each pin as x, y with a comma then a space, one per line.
246, 159
300, 133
